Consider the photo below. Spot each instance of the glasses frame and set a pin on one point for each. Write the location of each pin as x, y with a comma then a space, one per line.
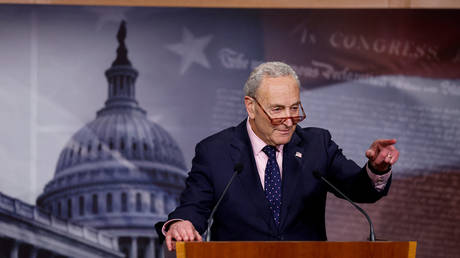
280, 120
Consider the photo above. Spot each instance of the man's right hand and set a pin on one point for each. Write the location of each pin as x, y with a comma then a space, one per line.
181, 231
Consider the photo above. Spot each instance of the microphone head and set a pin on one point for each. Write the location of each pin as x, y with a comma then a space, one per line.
317, 174
238, 167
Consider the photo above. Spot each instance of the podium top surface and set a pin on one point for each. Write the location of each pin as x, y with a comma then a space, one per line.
313, 249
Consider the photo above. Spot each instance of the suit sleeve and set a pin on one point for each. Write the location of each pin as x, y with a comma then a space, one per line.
197, 199
351, 179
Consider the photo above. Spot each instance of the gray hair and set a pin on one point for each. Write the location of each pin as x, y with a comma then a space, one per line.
270, 70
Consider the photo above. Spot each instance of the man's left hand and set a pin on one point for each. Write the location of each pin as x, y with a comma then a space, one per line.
382, 154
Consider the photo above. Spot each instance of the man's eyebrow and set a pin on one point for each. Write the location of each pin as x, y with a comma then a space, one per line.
279, 105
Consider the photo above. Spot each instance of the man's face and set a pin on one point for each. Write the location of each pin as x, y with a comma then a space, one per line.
280, 97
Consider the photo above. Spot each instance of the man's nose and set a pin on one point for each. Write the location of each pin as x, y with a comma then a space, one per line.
288, 122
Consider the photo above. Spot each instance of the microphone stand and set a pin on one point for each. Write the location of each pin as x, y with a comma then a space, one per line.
371, 226
238, 167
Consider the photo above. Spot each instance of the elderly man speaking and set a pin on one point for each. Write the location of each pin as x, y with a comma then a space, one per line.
275, 196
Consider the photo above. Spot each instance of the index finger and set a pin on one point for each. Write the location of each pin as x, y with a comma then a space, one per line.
198, 236
169, 243
385, 142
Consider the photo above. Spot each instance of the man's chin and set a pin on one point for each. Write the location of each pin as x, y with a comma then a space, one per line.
283, 139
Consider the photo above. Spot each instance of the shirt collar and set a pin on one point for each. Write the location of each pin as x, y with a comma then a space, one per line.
256, 142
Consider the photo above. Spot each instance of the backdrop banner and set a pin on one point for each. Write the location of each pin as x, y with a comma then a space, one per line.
365, 74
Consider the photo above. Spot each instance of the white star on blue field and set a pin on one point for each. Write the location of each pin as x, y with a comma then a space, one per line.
191, 49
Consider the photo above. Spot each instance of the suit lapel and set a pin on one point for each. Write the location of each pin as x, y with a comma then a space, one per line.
292, 160
241, 152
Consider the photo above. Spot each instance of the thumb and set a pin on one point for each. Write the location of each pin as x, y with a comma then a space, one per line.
370, 154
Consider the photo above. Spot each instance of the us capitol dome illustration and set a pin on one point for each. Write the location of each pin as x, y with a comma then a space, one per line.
120, 173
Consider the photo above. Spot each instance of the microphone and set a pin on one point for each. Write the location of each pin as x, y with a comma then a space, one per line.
318, 175
237, 169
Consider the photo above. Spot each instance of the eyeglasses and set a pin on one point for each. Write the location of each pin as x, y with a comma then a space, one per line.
280, 120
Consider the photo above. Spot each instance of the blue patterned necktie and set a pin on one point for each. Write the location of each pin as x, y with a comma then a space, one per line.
273, 183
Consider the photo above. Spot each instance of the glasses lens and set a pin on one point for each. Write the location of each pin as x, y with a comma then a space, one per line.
277, 121
297, 119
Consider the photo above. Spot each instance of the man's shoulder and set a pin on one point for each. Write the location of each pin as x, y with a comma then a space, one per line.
222, 135
225, 136
312, 132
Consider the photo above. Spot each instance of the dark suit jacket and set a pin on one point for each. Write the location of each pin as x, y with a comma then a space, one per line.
244, 213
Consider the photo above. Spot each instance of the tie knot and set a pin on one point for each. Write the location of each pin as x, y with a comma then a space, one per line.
270, 151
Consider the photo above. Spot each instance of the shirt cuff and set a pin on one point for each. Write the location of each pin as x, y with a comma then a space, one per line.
379, 181
167, 224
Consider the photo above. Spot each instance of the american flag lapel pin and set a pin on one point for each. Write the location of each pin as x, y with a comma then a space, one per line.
298, 155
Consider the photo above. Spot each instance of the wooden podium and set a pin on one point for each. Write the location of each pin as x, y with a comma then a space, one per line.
384, 249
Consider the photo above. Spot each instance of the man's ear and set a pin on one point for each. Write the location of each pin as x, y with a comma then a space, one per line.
250, 106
